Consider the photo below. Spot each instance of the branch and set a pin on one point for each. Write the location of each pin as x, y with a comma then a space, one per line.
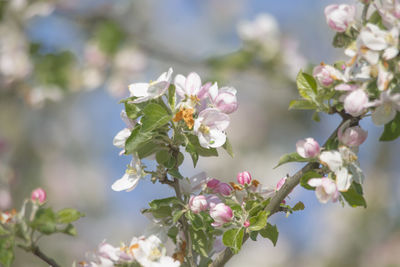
273, 206
36, 251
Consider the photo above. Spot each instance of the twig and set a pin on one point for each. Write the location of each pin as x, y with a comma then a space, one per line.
273, 206
36, 251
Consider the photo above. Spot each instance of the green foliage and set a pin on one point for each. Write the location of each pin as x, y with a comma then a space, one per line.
228, 147
233, 238
292, 157
270, 232
68, 216
354, 196
259, 221
302, 104
171, 97
166, 159
306, 85
154, 117
163, 208
341, 40
109, 36
54, 69
6, 251
195, 149
299, 206
392, 129
45, 221
136, 139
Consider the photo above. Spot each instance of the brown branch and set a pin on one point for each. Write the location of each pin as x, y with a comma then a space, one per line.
273, 206
36, 251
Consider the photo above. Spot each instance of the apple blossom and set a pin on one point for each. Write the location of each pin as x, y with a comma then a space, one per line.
307, 148
373, 37
384, 78
210, 126
213, 183
246, 224
147, 91
351, 136
340, 17
190, 89
244, 178
355, 103
223, 189
198, 203
386, 108
326, 74
221, 214
224, 98
195, 183
131, 177
326, 189
213, 200
39, 195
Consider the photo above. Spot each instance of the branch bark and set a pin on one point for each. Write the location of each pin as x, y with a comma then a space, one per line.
36, 251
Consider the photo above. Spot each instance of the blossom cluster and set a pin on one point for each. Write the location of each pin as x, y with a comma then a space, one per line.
147, 252
202, 111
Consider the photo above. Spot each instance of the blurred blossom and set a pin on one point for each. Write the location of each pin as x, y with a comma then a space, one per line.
262, 32
39, 195
292, 58
5, 199
339, 17
37, 96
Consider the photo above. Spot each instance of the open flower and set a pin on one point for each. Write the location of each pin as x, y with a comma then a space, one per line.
147, 91
198, 203
224, 98
121, 137
387, 106
190, 89
326, 189
210, 127
326, 74
131, 177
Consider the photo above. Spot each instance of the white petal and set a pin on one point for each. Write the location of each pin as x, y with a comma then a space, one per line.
180, 83
332, 158
193, 84
166, 76
127, 182
139, 89
390, 53
383, 114
217, 138
322, 196
120, 138
314, 182
343, 179
358, 175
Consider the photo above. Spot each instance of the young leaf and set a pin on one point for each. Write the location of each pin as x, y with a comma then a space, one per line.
45, 221
258, 222
69, 230
306, 85
176, 215
228, 147
353, 197
299, 206
307, 176
154, 117
233, 238
291, 157
165, 158
6, 251
302, 104
171, 96
392, 129
132, 111
270, 232
136, 139
68, 216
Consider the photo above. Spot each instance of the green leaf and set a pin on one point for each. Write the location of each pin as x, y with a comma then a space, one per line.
253, 235
154, 117
173, 232
157, 203
69, 230
315, 116
171, 96
175, 173
256, 207
228, 147
307, 176
204, 152
299, 206
6, 251
3, 231
147, 149
193, 154
136, 139
165, 158
196, 220
291, 157
68, 216
45, 221
392, 129
258, 222
176, 215
233, 238
270, 232
354, 198
306, 85
200, 242
133, 111
302, 104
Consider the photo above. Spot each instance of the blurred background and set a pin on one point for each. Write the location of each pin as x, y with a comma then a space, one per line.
64, 66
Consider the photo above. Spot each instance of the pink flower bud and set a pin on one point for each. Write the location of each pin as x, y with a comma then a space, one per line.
223, 188
244, 178
39, 195
351, 136
308, 148
221, 214
326, 74
339, 17
213, 183
356, 102
198, 203
226, 100
246, 224
280, 183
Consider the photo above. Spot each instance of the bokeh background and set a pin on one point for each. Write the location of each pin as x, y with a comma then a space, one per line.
64, 66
